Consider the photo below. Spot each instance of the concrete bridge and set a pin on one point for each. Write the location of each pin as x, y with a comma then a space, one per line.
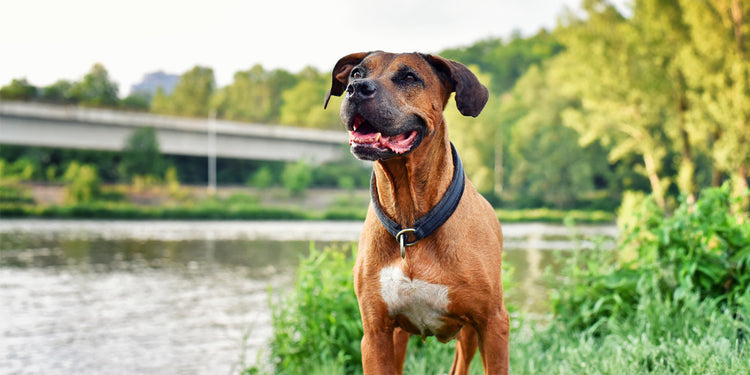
36, 124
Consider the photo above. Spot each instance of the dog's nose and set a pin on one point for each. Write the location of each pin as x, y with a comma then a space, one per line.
363, 89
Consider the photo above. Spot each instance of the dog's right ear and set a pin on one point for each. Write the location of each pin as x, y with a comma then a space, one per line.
340, 74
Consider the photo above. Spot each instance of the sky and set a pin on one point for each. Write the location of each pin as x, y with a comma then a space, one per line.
47, 40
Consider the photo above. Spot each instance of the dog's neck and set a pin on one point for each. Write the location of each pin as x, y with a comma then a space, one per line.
409, 187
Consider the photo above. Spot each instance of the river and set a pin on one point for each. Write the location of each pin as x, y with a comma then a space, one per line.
182, 297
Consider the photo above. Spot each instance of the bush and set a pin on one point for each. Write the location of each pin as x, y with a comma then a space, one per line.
700, 249
296, 177
261, 179
83, 183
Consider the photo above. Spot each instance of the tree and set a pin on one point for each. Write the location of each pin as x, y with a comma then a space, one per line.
136, 101
507, 62
254, 95
296, 177
162, 103
475, 138
622, 90
660, 34
191, 96
301, 104
716, 64
18, 89
96, 89
548, 164
141, 155
59, 91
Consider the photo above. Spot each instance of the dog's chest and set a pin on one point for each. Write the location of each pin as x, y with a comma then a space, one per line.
421, 302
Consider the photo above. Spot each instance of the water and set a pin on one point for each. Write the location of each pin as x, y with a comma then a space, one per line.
178, 297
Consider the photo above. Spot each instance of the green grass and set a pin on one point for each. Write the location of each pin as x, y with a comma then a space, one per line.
554, 216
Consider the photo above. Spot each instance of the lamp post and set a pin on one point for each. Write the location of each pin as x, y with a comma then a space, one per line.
212, 152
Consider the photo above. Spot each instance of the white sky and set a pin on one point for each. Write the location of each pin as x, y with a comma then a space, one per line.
47, 40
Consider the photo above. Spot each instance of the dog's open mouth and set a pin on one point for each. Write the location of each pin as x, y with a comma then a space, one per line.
363, 134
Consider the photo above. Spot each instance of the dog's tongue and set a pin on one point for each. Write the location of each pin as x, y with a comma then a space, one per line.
399, 144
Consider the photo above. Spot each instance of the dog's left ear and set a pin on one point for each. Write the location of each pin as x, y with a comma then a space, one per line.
340, 74
471, 95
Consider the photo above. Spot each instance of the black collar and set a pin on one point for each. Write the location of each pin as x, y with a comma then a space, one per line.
438, 215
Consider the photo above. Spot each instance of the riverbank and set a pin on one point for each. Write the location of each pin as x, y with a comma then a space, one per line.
540, 235
239, 203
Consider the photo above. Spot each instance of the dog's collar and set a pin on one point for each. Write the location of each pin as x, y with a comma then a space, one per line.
438, 215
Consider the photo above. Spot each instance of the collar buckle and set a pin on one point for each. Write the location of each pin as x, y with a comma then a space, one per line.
402, 243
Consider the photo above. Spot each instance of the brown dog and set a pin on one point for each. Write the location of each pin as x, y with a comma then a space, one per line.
430, 251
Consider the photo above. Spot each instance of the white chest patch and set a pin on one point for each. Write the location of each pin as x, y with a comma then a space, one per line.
421, 302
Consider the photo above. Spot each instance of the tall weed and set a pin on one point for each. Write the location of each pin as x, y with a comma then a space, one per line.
317, 323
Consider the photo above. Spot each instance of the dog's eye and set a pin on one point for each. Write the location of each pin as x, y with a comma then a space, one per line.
356, 74
410, 77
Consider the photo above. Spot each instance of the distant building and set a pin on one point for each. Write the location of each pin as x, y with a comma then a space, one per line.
152, 81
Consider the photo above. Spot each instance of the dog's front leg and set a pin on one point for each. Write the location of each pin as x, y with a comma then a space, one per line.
378, 356
493, 343
400, 341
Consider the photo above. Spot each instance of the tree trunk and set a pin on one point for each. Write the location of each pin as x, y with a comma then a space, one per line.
686, 170
657, 188
499, 171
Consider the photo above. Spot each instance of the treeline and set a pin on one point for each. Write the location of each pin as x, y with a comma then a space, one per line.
255, 95
657, 101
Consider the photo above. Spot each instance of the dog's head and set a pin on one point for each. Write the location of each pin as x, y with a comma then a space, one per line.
394, 101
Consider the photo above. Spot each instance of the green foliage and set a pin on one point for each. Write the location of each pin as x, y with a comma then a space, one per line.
716, 69
22, 169
191, 96
296, 177
82, 183
254, 95
507, 62
11, 191
347, 173
302, 103
262, 178
680, 335
548, 163
548, 215
476, 140
318, 321
701, 250
137, 101
58, 92
96, 89
141, 155
18, 89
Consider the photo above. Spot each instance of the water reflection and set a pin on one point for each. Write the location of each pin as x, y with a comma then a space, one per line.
132, 306
116, 297
257, 258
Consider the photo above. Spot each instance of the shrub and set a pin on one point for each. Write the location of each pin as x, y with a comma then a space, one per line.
83, 183
261, 179
702, 248
296, 177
